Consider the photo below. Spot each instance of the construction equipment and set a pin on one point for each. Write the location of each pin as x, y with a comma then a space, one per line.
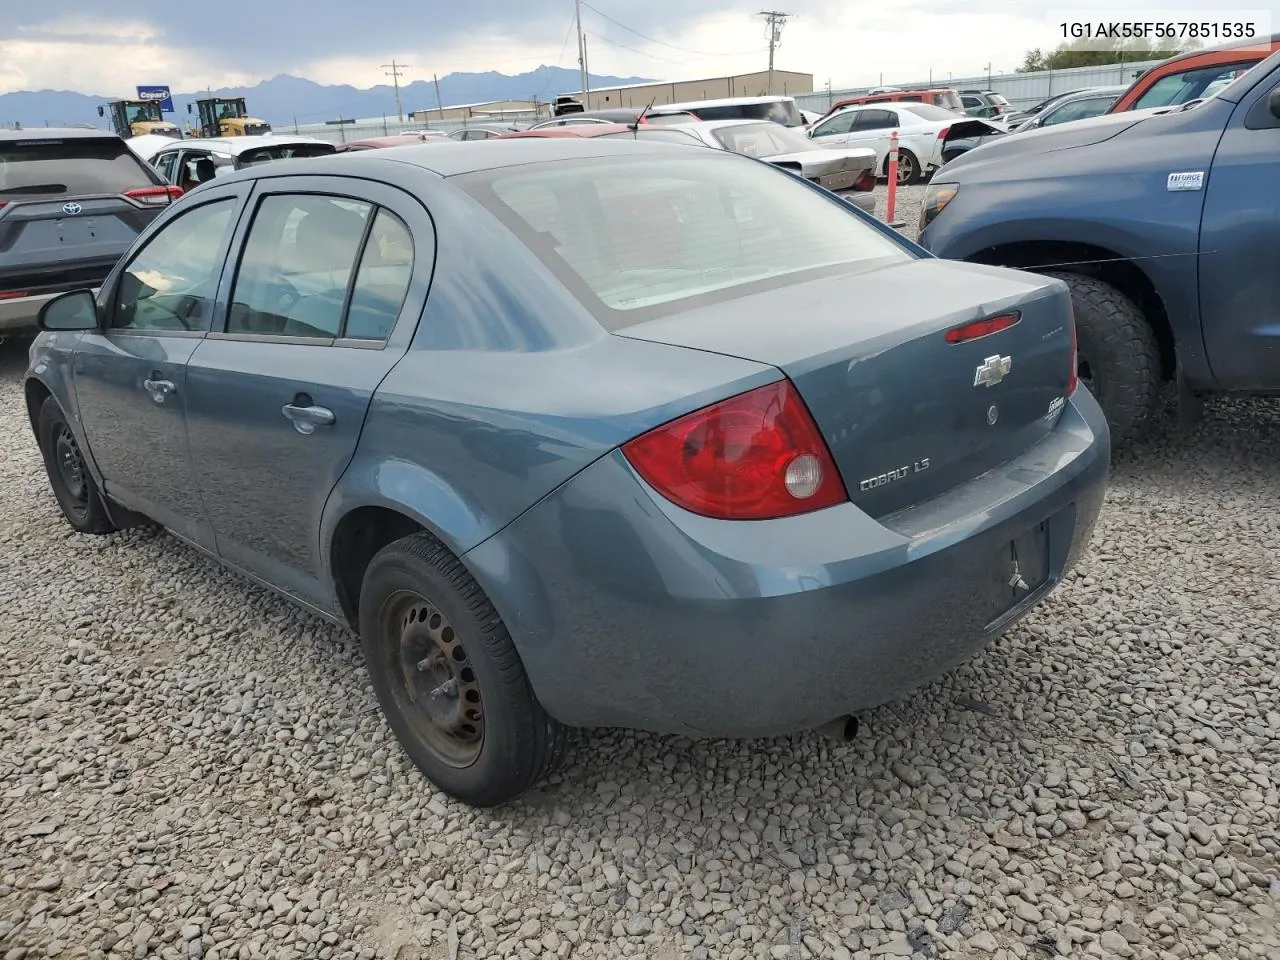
133, 118
227, 117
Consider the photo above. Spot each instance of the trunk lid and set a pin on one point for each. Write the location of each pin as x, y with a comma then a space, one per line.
898, 404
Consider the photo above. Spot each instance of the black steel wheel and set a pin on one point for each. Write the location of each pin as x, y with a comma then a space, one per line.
69, 475
448, 677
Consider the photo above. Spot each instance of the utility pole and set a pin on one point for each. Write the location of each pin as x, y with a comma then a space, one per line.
775, 19
439, 103
582, 50
394, 70
586, 75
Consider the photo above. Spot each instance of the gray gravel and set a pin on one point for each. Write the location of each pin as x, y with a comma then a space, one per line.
189, 768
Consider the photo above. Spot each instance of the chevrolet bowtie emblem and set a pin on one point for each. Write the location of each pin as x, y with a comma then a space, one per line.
992, 370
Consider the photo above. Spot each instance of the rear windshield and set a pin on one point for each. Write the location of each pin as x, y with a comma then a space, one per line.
60, 168
927, 111
284, 151
997, 99
634, 237
949, 100
784, 112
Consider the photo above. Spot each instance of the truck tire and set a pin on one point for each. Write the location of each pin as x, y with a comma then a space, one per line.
1119, 358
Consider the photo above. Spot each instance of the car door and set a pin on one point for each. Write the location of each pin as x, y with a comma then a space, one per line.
166, 163
871, 129
130, 377
330, 282
834, 131
1239, 237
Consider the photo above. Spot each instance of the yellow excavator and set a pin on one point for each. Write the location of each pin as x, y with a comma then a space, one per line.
227, 117
134, 118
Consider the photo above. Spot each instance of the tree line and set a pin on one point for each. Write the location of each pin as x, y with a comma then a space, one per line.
1072, 54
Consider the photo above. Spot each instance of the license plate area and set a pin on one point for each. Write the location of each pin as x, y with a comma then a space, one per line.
1021, 569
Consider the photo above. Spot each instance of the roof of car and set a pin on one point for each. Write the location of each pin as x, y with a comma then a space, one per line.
56, 133
234, 146
1092, 92
470, 156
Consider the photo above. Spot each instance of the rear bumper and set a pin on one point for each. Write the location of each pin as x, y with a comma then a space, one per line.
628, 611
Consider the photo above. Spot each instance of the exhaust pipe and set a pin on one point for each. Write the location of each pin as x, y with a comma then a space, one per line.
841, 729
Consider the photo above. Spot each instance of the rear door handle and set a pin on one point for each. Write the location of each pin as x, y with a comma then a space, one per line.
306, 416
159, 389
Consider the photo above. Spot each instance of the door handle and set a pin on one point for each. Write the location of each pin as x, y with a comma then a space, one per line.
159, 389
306, 417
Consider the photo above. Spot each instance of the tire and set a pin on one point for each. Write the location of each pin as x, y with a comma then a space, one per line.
73, 486
449, 679
906, 176
1119, 358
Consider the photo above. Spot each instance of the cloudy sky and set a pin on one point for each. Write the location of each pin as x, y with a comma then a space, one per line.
74, 45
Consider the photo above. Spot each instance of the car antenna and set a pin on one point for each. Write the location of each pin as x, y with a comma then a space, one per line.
635, 125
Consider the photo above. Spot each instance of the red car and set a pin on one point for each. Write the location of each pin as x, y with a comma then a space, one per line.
1189, 76
396, 140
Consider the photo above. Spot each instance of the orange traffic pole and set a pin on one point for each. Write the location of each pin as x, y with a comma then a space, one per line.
891, 198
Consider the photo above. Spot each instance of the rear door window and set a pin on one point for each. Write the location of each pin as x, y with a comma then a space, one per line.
875, 120
69, 168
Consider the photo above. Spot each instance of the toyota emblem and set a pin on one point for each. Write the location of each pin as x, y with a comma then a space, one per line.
72, 208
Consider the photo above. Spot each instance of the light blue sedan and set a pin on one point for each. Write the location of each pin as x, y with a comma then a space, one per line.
581, 433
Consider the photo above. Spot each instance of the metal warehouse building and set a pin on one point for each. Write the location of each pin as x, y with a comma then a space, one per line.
743, 85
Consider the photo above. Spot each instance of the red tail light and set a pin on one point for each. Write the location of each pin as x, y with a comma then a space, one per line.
982, 328
865, 182
756, 456
942, 134
155, 196
1073, 377
12, 294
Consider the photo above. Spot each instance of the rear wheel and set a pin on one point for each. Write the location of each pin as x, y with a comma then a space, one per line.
1119, 358
69, 476
908, 167
448, 677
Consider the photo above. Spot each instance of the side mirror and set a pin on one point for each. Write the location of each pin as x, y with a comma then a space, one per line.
1273, 102
101, 112
75, 310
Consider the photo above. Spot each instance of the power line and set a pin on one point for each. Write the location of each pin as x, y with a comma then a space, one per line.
393, 71
776, 20
623, 46
644, 36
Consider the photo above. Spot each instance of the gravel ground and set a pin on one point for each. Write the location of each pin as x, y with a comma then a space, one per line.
190, 768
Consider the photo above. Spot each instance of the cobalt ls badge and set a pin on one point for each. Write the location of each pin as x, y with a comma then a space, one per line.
1193, 180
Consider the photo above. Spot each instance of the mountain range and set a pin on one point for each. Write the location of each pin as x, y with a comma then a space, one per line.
284, 99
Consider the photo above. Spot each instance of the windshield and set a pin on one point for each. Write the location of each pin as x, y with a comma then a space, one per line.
783, 111
223, 109
634, 236
59, 168
761, 139
141, 112
1176, 88
997, 99
926, 111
